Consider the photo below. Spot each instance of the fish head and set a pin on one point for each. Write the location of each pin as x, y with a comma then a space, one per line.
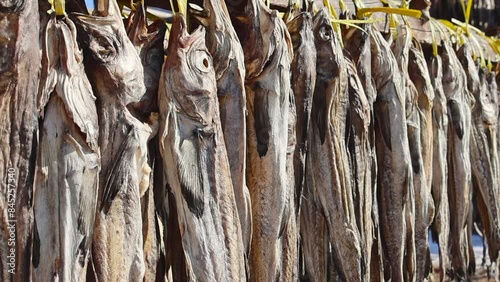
465, 56
220, 36
299, 28
356, 39
190, 73
109, 53
137, 26
324, 40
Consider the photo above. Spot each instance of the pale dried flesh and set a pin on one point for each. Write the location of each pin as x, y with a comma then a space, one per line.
68, 160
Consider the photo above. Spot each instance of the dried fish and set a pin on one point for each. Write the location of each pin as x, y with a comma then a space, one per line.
303, 78
441, 222
149, 41
484, 154
360, 136
68, 159
393, 155
328, 171
19, 73
195, 160
424, 204
459, 175
268, 54
401, 48
117, 250
225, 48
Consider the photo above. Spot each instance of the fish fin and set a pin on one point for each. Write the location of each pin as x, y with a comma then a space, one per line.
114, 178
262, 121
382, 115
190, 176
456, 118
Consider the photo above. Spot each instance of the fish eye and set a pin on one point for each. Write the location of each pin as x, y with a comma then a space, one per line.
325, 33
202, 61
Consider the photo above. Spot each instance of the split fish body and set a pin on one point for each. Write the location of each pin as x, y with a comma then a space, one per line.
195, 160
68, 159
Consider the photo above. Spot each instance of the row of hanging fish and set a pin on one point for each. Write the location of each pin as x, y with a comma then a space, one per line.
245, 146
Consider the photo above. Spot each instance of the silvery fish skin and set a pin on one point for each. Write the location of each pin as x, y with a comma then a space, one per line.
361, 136
19, 74
328, 171
195, 160
117, 250
459, 166
393, 154
484, 155
424, 204
68, 159
401, 48
225, 48
148, 41
268, 54
441, 223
